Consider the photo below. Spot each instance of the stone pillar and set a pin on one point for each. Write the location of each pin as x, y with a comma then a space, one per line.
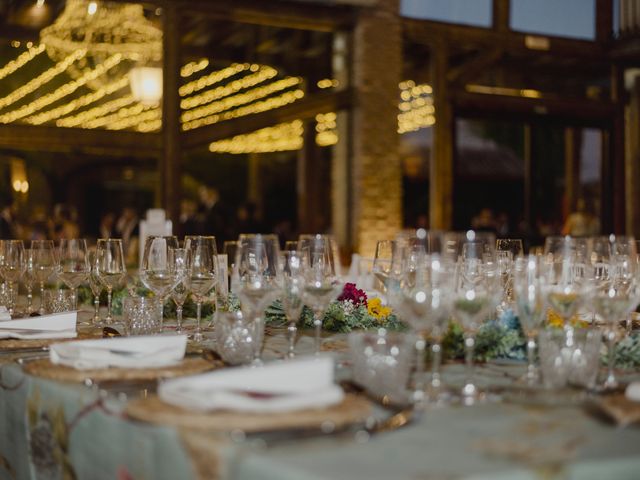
376, 176
632, 162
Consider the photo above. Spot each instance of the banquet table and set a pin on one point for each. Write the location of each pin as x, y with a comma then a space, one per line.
50, 429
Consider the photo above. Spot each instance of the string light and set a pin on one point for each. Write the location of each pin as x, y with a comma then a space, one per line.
262, 106
96, 112
121, 114
279, 138
130, 120
328, 83
149, 126
232, 87
215, 77
240, 99
416, 107
193, 67
61, 92
21, 61
41, 79
326, 129
80, 102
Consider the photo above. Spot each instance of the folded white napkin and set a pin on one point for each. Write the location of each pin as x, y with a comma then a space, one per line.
57, 325
633, 391
4, 313
277, 387
126, 352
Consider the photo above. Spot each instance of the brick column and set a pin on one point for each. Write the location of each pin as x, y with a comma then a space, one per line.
376, 176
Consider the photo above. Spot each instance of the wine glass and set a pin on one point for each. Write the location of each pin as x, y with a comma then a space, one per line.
230, 248
616, 298
155, 271
425, 301
28, 278
110, 268
291, 296
257, 279
179, 260
203, 273
322, 285
476, 293
565, 286
388, 264
74, 264
513, 245
95, 284
11, 266
45, 264
528, 282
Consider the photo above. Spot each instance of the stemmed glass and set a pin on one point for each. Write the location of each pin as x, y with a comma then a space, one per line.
179, 264
476, 294
45, 262
95, 284
155, 271
528, 283
11, 266
74, 264
257, 279
29, 278
513, 245
614, 300
322, 285
426, 301
388, 263
110, 268
203, 273
291, 297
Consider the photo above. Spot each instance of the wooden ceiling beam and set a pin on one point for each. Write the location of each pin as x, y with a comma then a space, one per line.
428, 32
56, 139
306, 108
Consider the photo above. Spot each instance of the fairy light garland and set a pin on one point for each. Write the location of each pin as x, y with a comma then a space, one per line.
282, 137
96, 112
215, 77
226, 90
240, 99
262, 106
21, 60
41, 79
61, 92
121, 114
326, 129
193, 67
131, 120
416, 107
78, 103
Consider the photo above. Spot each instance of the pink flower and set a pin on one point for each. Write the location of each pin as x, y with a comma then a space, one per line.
353, 294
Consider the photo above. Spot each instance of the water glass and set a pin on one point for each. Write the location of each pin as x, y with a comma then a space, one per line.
141, 316
382, 363
59, 300
238, 338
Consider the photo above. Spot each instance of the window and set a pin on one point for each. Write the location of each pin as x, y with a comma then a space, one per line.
468, 12
566, 18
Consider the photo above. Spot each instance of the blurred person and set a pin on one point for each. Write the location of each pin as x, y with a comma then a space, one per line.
8, 224
188, 221
64, 222
582, 222
213, 217
484, 221
107, 226
247, 219
127, 229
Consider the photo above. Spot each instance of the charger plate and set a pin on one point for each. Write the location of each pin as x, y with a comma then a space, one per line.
45, 369
353, 409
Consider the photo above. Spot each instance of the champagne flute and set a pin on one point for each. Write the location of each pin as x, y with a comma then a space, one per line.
11, 266
528, 288
203, 273
29, 278
322, 285
388, 263
74, 264
257, 279
179, 260
110, 268
155, 271
476, 294
292, 288
230, 248
96, 289
45, 265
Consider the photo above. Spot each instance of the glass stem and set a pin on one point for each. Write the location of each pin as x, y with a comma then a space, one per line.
109, 318
469, 390
317, 323
179, 319
436, 358
291, 332
418, 391
531, 357
75, 298
41, 309
611, 381
12, 301
96, 309
29, 299
198, 335
161, 313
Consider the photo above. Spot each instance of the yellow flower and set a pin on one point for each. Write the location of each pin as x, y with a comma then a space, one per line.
376, 309
555, 320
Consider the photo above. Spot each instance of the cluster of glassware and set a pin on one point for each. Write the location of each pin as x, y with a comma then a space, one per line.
470, 277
